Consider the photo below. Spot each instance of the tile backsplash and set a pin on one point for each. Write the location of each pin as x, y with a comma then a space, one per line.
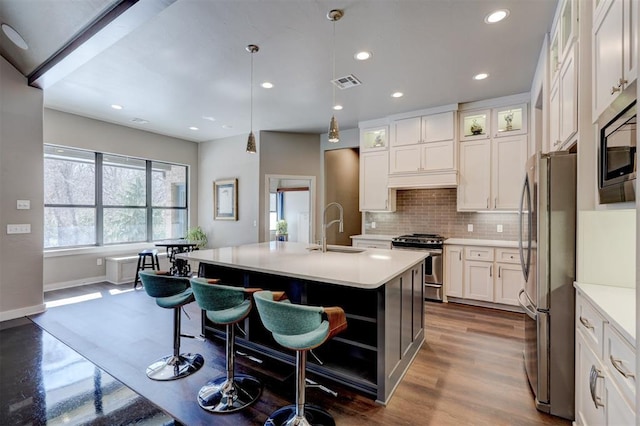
434, 211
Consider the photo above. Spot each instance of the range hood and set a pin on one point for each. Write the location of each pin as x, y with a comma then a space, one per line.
443, 179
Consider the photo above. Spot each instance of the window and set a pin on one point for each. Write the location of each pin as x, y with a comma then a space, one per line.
97, 199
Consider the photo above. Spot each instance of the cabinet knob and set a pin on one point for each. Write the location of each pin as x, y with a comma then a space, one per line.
621, 82
615, 89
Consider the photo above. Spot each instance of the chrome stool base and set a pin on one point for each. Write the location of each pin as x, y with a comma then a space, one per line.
223, 396
175, 367
313, 416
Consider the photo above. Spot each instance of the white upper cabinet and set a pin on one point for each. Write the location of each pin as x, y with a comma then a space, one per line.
428, 128
375, 194
475, 125
374, 138
615, 50
423, 151
563, 104
509, 121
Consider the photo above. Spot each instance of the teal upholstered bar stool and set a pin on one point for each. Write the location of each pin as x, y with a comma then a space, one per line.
171, 293
300, 328
226, 305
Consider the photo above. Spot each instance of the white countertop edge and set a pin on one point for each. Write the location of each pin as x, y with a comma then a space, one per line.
373, 237
485, 243
294, 260
617, 304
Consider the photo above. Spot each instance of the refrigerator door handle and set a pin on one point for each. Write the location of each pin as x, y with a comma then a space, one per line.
531, 313
526, 192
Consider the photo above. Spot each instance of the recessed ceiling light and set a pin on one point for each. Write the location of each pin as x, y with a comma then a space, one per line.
227, 126
209, 118
14, 36
193, 128
480, 76
116, 106
337, 107
397, 94
496, 16
139, 120
363, 56
267, 85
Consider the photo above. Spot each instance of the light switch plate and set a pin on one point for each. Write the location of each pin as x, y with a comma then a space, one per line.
23, 204
499, 228
470, 227
20, 228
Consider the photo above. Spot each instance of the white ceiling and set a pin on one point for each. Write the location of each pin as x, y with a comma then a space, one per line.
185, 59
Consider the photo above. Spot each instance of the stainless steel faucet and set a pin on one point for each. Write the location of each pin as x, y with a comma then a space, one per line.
325, 225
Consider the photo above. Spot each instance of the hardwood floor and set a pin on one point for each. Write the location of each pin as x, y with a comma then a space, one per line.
469, 372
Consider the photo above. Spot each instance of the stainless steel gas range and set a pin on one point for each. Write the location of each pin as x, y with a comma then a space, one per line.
433, 244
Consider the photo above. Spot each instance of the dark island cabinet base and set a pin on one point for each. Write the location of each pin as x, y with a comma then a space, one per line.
385, 327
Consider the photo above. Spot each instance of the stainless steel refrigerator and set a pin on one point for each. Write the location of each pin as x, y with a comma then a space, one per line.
547, 254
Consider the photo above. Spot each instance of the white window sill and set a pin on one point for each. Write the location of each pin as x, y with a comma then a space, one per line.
102, 250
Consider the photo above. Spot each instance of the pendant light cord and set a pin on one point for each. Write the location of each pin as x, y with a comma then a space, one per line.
251, 114
334, 65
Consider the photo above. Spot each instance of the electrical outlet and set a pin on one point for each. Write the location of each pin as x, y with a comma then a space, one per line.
499, 228
470, 227
23, 205
373, 225
99, 261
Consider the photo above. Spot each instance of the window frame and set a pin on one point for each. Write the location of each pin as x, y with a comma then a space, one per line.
100, 207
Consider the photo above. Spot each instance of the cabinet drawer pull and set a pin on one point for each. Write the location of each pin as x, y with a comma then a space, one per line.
499, 271
617, 364
614, 89
594, 375
586, 323
495, 203
622, 82
487, 202
490, 271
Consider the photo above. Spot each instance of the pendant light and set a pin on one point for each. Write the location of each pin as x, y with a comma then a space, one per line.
251, 142
334, 133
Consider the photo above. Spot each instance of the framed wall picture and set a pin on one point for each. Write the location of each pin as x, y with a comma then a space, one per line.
225, 199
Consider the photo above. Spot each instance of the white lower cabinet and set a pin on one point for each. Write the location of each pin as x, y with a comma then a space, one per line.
605, 370
486, 274
454, 271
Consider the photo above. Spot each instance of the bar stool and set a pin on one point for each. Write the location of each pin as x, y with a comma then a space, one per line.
226, 305
300, 328
171, 293
147, 258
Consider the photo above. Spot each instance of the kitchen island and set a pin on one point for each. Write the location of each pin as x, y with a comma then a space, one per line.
380, 291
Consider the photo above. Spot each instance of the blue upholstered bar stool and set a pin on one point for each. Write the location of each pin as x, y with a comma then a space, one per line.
171, 293
300, 328
226, 305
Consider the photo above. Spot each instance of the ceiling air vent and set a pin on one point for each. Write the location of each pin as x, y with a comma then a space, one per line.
347, 82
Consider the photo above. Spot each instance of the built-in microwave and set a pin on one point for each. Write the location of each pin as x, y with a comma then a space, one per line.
618, 158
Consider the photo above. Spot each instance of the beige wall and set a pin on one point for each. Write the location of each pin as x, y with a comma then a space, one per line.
227, 159
288, 154
341, 179
21, 178
80, 266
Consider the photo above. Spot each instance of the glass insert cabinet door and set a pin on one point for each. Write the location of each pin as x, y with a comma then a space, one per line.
511, 120
372, 139
475, 125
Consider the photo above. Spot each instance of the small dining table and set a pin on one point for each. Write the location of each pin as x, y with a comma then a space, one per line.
179, 267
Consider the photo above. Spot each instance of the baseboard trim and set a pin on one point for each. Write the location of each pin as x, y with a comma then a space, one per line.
483, 304
22, 312
74, 283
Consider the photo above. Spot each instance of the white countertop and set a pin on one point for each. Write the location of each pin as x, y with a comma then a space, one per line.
368, 269
374, 237
484, 243
618, 304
